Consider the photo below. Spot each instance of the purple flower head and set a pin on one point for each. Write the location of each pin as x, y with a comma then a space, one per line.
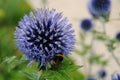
116, 77
90, 78
118, 36
102, 73
86, 24
43, 34
99, 8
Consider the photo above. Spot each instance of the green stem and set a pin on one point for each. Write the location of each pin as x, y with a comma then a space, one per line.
91, 53
83, 34
107, 39
115, 58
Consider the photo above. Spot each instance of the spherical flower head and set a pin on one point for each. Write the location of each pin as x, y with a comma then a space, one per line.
99, 8
86, 24
90, 78
118, 36
43, 34
116, 77
102, 73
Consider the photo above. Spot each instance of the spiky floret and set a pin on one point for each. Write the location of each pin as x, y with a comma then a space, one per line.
43, 34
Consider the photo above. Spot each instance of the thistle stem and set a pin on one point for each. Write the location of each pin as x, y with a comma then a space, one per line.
83, 44
115, 58
91, 53
107, 40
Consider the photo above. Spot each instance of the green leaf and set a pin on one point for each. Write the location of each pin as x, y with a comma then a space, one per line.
49, 74
29, 75
68, 65
23, 58
12, 62
106, 17
104, 63
101, 37
65, 75
96, 32
71, 68
76, 75
32, 76
8, 60
62, 73
111, 44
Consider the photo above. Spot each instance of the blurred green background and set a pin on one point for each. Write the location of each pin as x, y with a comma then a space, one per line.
11, 11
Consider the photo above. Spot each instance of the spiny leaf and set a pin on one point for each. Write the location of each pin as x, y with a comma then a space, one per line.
49, 74
12, 62
29, 75
61, 73
65, 75
32, 76
8, 60
77, 75
71, 68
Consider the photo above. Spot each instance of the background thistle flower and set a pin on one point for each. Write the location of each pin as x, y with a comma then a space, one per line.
118, 36
42, 35
90, 78
100, 8
86, 24
116, 77
102, 73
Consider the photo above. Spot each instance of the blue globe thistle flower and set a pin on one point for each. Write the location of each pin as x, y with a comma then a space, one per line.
90, 78
116, 77
43, 34
102, 73
99, 8
118, 36
86, 24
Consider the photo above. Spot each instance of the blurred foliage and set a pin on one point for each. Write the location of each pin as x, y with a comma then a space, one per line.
11, 11
65, 72
98, 59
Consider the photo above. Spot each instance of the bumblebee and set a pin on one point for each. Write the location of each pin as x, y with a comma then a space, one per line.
57, 60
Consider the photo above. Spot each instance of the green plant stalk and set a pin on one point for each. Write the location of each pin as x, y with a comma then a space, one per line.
83, 44
106, 37
91, 54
